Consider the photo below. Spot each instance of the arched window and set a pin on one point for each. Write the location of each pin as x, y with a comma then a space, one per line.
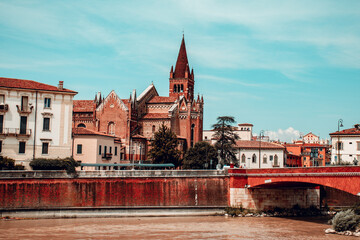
264, 158
182, 88
192, 135
175, 88
254, 158
81, 125
243, 158
111, 128
276, 160
153, 128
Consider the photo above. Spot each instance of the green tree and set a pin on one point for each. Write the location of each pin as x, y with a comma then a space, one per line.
199, 155
164, 147
226, 139
9, 164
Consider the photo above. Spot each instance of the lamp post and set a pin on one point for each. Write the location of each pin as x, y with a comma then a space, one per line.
340, 124
261, 135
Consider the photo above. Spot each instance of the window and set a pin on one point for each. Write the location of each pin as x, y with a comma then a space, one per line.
271, 157
339, 146
47, 102
46, 125
2, 99
153, 128
265, 159
254, 158
243, 158
276, 162
358, 146
79, 149
111, 128
23, 124
24, 103
21, 147
1, 123
110, 149
0, 146
99, 149
104, 149
81, 125
45, 148
192, 135
115, 151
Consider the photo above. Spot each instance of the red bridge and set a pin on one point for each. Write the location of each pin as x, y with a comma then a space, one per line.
262, 188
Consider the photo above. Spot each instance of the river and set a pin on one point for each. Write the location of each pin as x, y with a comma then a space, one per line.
212, 227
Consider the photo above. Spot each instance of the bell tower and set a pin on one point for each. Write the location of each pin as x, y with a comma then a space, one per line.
181, 81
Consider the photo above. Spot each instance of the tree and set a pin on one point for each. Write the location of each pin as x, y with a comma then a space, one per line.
9, 164
199, 155
226, 139
164, 147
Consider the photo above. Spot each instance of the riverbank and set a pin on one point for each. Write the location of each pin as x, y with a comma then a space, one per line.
110, 212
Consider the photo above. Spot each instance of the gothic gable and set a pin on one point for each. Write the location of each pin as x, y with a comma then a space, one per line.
115, 98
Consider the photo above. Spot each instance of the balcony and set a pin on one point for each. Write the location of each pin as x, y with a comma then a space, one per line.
27, 109
4, 108
15, 132
107, 156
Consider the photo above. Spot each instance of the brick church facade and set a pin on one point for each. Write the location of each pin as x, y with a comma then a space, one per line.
134, 121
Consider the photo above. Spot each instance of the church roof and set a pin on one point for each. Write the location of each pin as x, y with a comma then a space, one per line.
182, 63
83, 105
159, 99
31, 85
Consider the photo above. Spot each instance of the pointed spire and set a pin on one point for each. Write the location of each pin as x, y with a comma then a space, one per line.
172, 72
182, 61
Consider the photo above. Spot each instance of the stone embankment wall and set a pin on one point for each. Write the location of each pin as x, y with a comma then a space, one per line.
49, 190
264, 199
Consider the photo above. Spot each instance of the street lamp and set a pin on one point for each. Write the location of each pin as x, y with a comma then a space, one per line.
261, 135
340, 124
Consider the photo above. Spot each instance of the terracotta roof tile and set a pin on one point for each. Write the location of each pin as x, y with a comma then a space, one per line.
245, 124
256, 145
85, 131
29, 84
156, 116
84, 105
350, 131
158, 99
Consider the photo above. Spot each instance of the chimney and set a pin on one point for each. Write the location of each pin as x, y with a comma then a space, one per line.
61, 85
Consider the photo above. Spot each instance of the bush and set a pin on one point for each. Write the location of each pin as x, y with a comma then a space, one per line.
68, 164
345, 221
9, 164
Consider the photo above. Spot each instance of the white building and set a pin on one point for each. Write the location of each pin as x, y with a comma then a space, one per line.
346, 145
312, 138
35, 120
250, 149
243, 130
258, 154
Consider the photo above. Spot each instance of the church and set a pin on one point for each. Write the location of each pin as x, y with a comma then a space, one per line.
132, 122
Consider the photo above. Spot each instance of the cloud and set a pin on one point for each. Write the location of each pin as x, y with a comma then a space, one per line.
287, 135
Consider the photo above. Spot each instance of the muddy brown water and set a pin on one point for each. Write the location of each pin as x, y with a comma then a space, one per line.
212, 227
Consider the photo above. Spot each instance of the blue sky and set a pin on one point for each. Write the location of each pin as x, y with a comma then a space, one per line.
288, 67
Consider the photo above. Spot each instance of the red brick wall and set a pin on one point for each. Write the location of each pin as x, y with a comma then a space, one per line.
99, 192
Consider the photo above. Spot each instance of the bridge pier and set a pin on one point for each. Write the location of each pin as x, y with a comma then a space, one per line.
268, 198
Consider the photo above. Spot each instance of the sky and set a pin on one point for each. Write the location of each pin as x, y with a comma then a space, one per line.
287, 67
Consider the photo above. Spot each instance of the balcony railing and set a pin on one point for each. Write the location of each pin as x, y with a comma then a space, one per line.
107, 156
15, 132
24, 109
4, 107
